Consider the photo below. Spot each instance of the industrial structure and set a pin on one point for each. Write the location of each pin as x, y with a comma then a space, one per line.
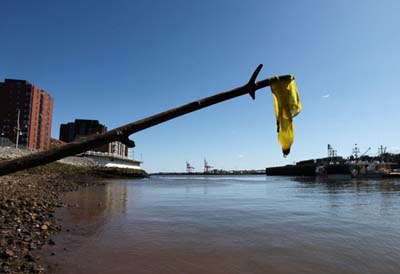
207, 167
25, 115
331, 152
189, 168
357, 165
356, 151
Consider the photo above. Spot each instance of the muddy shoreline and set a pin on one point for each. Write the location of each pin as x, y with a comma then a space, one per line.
28, 200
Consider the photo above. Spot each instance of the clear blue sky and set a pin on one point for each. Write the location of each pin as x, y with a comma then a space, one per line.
119, 61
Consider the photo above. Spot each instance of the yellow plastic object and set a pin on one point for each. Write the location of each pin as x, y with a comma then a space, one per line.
287, 105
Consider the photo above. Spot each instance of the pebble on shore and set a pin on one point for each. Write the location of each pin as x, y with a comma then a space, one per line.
28, 200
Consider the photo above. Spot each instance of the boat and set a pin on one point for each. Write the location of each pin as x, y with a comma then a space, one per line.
376, 169
358, 170
334, 171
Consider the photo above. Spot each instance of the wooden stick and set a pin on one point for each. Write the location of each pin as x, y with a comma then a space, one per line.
122, 133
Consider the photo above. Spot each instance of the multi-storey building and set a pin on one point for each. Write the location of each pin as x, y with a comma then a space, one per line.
25, 114
81, 127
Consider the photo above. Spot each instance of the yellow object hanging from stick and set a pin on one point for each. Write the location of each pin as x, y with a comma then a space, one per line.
287, 105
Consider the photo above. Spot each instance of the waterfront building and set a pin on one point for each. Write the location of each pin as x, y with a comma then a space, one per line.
25, 114
82, 127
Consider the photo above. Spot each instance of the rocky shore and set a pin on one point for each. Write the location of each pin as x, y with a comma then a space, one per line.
28, 200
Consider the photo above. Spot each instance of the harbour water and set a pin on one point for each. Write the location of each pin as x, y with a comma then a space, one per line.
238, 224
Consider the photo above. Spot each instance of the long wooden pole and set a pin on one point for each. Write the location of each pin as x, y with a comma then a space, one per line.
122, 133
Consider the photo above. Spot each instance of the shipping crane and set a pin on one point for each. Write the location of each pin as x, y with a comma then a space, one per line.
189, 168
207, 167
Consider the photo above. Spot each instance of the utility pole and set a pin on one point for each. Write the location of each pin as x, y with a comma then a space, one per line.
18, 130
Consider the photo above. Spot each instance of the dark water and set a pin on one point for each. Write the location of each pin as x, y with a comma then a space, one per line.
217, 225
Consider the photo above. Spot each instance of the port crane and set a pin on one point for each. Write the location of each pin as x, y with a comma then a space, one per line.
189, 168
207, 167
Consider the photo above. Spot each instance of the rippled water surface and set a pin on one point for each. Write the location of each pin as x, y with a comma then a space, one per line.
242, 224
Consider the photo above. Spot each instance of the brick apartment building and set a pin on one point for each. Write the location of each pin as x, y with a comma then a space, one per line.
81, 127
33, 106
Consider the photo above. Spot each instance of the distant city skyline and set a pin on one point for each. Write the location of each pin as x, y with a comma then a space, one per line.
121, 61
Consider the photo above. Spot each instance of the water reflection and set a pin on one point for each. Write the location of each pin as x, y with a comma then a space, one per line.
94, 202
249, 224
88, 212
386, 186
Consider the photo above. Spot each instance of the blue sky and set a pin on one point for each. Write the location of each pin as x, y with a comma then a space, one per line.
119, 61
